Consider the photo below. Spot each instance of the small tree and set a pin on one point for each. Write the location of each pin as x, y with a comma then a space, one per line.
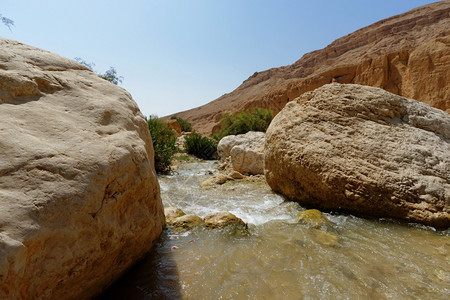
7, 22
200, 146
110, 75
163, 137
257, 119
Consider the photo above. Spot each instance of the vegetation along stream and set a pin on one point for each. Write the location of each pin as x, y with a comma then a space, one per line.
346, 258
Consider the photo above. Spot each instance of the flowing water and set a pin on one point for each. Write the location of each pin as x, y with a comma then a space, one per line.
348, 258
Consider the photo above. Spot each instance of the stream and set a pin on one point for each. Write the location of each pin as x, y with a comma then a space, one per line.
348, 258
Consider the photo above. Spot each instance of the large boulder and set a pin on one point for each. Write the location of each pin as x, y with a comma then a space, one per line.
79, 197
246, 152
364, 150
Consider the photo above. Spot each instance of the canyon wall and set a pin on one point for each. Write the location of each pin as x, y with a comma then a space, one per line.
407, 54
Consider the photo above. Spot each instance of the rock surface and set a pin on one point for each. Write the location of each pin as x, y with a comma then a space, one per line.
171, 213
407, 54
218, 178
246, 152
249, 158
363, 150
79, 197
311, 217
186, 221
175, 125
222, 219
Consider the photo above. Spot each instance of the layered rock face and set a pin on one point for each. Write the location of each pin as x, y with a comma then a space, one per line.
246, 152
363, 150
79, 197
407, 54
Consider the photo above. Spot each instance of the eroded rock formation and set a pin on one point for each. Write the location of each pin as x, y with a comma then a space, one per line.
364, 150
79, 197
407, 54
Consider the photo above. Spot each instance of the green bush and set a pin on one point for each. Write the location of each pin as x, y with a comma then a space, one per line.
184, 124
200, 146
257, 119
163, 137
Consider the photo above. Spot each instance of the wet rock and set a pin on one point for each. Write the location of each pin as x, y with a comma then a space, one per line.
217, 178
364, 150
235, 175
223, 166
222, 219
172, 213
326, 238
186, 221
311, 217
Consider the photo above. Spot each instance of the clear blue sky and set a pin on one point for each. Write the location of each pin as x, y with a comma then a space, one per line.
180, 54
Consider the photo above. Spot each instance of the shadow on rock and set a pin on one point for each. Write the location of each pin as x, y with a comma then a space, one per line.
155, 277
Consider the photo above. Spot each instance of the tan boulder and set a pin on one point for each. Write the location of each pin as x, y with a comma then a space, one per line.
217, 178
228, 142
235, 175
186, 221
311, 217
79, 197
172, 213
249, 158
246, 152
175, 125
222, 219
364, 150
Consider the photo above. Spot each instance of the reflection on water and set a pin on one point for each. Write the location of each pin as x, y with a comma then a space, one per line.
347, 258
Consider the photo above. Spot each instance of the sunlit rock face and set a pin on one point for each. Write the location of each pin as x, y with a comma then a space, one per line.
364, 150
79, 197
246, 152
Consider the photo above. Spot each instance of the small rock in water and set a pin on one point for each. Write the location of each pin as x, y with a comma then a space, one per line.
187, 221
218, 178
172, 213
311, 217
325, 238
235, 175
221, 219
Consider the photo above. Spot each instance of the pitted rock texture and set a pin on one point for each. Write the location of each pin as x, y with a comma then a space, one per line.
246, 152
79, 197
407, 54
363, 150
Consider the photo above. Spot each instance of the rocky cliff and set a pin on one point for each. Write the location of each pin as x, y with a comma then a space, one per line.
79, 197
407, 54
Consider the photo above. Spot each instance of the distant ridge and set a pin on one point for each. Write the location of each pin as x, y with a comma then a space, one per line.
407, 54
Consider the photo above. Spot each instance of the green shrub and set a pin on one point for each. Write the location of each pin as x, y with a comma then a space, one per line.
257, 119
200, 146
163, 137
184, 124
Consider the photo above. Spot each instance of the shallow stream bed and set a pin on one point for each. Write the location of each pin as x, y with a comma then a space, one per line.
348, 258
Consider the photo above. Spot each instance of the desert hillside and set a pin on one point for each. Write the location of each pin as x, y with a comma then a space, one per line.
407, 54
